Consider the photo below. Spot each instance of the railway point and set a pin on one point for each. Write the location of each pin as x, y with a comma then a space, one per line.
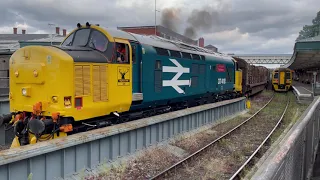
121, 100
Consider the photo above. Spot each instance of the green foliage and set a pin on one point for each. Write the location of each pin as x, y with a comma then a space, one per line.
316, 20
30, 176
310, 30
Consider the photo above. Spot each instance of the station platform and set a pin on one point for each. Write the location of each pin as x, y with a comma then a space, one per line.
303, 92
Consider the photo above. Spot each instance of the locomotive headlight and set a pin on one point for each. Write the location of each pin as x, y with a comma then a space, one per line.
24, 91
54, 99
35, 73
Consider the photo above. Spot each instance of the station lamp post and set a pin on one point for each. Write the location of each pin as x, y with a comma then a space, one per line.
155, 17
50, 25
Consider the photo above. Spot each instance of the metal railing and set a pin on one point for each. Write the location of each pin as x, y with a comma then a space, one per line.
316, 89
294, 156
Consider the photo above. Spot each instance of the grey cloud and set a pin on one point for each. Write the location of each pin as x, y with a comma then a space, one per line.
67, 15
261, 18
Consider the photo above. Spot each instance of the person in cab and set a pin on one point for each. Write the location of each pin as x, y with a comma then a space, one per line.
121, 54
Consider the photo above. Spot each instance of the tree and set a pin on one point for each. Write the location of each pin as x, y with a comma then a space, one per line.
316, 20
310, 30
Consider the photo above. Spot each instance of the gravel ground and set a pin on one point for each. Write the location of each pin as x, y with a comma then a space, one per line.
146, 164
196, 142
3, 147
222, 160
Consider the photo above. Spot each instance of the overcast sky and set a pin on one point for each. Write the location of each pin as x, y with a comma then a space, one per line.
234, 26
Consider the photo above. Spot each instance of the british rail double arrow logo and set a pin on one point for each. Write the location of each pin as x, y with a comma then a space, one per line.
175, 82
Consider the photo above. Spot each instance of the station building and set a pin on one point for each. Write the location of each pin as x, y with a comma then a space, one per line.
305, 60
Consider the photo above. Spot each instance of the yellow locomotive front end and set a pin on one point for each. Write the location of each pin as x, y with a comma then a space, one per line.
282, 79
37, 74
53, 89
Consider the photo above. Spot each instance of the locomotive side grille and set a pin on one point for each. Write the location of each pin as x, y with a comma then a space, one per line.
100, 83
78, 80
96, 84
86, 80
103, 83
82, 80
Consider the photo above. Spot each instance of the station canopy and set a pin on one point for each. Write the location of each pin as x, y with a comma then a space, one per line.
306, 55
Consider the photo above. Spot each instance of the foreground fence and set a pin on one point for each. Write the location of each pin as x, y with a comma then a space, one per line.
64, 156
294, 156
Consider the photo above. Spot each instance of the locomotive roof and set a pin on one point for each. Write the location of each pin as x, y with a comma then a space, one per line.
160, 42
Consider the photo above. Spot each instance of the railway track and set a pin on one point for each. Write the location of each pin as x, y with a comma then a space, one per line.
239, 172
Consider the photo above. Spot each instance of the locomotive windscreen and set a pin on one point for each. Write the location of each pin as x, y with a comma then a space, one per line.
87, 39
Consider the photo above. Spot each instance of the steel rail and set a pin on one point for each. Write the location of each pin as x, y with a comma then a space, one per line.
159, 175
238, 172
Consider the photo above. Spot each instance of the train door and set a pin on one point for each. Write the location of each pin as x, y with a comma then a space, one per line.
136, 68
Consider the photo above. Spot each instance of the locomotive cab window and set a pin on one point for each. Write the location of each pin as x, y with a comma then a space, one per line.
122, 53
98, 41
288, 75
88, 38
85, 39
276, 75
81, 37
68, 41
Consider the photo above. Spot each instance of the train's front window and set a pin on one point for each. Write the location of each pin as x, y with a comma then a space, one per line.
81, 37
98, 41
68, 41
87, 38
288, 75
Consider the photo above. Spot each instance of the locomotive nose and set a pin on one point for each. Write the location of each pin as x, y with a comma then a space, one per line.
34, 76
